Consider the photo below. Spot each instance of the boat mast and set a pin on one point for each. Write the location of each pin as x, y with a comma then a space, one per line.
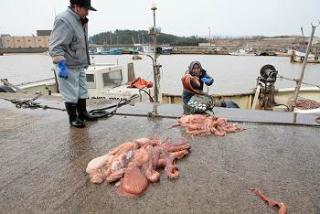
156, 68
297, 90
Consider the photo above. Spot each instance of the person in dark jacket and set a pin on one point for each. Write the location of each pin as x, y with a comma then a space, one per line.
194, 98
68, 48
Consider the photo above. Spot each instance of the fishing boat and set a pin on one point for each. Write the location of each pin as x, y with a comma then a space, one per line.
111, 51
266, 97
166, 50
298, 57
110, 81
245, 99
242, 52
104, 81
130, 51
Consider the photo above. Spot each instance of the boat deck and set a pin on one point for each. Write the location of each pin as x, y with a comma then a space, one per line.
43, 162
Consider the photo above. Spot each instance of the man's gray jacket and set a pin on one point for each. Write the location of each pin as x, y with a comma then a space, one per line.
69, 40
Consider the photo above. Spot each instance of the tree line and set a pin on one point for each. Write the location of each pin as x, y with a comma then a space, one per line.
142, 37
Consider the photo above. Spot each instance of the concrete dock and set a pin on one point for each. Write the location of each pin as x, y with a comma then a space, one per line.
43, 162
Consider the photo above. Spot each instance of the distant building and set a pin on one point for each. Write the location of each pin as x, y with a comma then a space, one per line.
206, 44
4, 35
16, 42
25, 42
43, 32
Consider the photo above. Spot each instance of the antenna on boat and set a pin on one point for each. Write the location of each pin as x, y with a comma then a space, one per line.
93, 60
314, 25
302, 33
154, 32
54, 9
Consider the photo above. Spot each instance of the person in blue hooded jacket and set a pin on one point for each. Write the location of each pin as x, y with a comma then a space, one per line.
193, 82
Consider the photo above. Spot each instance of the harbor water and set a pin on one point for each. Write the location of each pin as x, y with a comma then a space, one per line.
232, 74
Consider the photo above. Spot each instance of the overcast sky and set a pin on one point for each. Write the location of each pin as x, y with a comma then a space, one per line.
180, 17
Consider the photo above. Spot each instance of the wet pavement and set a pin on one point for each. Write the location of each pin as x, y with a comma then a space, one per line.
43, 162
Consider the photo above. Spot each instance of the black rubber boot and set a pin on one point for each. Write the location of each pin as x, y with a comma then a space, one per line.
73, 118
82, 111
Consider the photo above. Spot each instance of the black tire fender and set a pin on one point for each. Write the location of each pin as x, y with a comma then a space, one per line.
6, 89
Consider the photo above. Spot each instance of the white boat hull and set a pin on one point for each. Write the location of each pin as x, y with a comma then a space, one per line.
299, 57
245, 100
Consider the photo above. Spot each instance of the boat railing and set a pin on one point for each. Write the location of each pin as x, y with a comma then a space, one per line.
35, 82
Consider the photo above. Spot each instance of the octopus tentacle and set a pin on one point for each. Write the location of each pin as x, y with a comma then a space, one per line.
271, 203
205, 125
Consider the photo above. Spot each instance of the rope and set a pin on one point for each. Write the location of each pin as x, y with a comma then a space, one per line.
305, 83
103, 113
287, 107
307, 104
31, 104
149, 95
99, 113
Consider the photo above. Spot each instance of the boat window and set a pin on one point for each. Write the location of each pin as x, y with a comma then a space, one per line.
112, 79
90, 81
90, 78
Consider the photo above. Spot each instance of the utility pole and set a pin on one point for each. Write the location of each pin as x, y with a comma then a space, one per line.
209, 28
302, 33
1, 45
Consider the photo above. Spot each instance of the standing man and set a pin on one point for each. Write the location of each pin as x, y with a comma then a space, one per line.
68, 48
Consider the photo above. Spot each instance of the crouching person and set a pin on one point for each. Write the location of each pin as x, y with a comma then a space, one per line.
195, 100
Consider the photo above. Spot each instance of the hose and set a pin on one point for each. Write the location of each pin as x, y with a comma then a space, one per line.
103, 113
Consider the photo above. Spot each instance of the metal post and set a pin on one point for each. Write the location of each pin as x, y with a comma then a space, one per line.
297, 90
1, 44
156, 73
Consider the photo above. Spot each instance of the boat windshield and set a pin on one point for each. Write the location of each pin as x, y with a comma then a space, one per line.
90, 81
112, 79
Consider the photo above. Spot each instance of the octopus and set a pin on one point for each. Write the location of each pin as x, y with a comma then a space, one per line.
205, 125
272, 203
188, 81
133, 165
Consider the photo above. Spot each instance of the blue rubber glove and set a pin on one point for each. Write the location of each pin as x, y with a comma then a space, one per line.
63, 70
207, 80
